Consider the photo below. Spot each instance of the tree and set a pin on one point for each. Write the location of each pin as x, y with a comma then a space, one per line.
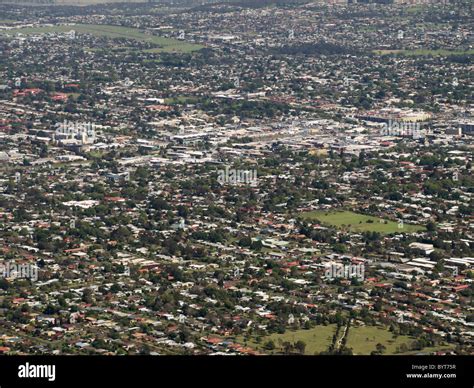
380, 348
270, 345
87, 296
245, 241
403, 348
4, 284
300, 346
287, 347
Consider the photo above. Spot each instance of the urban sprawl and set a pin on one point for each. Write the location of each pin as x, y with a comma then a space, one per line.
238, 178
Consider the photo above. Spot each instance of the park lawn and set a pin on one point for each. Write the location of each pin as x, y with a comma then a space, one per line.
166, 44
96, 154
363, 339
178, 46
152, 60
425, 52
356, 222
317, 339
368, 28
414, 9
181, 100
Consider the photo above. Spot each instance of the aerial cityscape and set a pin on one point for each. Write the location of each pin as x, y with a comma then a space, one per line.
274, 177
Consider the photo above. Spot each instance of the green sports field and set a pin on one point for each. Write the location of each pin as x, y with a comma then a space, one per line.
356, 222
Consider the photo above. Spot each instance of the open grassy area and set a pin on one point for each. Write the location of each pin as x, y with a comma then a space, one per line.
317, 339
181, 100
362, 340
165, 44
368, 28
359, 222
425, 52
414, 9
